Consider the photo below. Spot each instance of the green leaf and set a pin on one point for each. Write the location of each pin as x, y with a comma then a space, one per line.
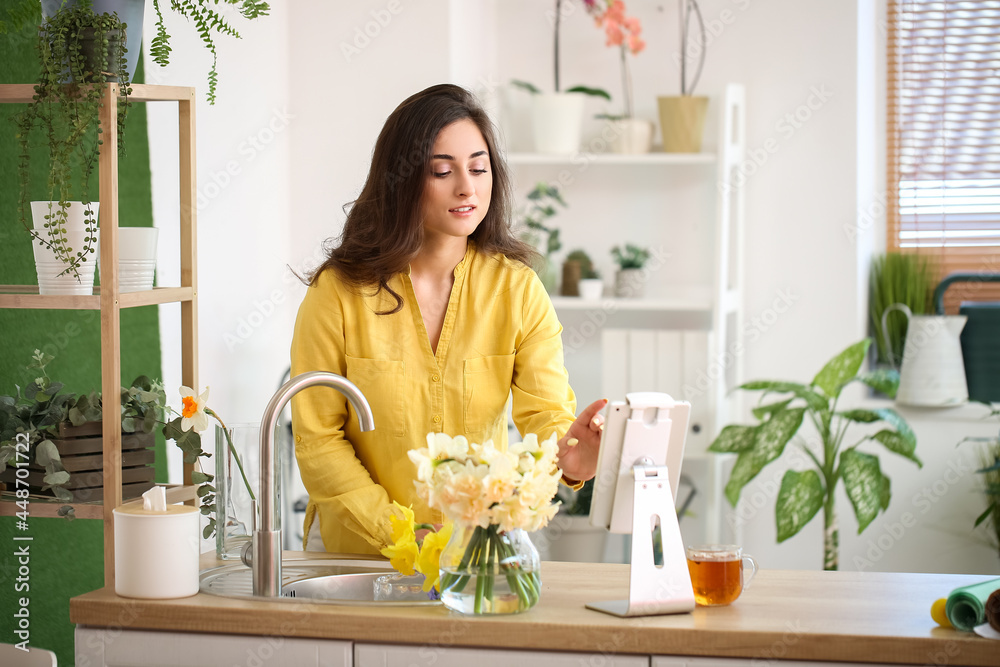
198, 477
204, 490
886, 494
800, 497
595, 92
863, 482
57, 478
841, 369
76, 417
899, 443
63, 494
734, 438
985, 515
67, 511
762, 411
883, 380
46, 453
812, 399
772, 436
991, 468
860, 416
128, 425
524, 85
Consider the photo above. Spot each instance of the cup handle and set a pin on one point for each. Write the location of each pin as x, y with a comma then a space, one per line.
753, 570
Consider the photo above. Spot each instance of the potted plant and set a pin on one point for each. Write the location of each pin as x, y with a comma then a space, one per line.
989, 458
542, 201
79, 51
631, 135
557, 117
206, 20
61, 436
630, 280
804, 493
579, 276
682, 119
897, 278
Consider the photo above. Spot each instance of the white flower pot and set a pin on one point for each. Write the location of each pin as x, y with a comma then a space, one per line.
591, 288
557, 122
633, 136
136, 258
52, 275
630, 283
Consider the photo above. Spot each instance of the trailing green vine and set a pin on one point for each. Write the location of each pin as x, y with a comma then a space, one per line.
206, 21
79, 51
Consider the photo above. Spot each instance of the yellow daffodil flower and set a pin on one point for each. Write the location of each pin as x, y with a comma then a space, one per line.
430, 555
193, 414
401, 527
402, 554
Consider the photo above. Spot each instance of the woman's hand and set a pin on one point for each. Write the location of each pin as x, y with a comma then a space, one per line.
578, 448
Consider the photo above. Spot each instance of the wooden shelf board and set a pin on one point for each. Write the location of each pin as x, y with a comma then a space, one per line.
141, 92
619, 305
42, 507
27, 296
582, 159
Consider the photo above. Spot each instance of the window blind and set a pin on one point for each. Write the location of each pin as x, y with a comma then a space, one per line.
943, 137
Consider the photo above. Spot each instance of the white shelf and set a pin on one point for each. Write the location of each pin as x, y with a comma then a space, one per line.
685, 303
679, 159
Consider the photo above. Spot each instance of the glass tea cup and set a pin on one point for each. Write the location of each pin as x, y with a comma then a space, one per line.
717, 573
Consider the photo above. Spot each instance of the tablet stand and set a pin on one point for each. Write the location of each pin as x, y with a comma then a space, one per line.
653, 588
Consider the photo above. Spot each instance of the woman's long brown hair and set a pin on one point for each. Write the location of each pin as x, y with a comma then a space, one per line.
384, 229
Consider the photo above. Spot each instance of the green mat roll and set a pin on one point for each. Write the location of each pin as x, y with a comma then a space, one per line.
966, 606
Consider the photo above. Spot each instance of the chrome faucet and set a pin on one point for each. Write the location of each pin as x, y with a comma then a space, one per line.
266, 545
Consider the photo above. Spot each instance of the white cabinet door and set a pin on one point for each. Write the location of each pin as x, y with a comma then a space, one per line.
767, 658
393, 655
101, 647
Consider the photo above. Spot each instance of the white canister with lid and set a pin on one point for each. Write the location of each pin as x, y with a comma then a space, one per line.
156, 551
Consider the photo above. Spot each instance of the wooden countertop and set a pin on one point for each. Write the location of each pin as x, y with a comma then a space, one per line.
802, 615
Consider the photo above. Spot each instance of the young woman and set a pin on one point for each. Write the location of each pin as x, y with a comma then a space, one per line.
429, 306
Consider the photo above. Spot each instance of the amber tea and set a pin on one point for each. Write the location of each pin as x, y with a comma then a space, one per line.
717, 573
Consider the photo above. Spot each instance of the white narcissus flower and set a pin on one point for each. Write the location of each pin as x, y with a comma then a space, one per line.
193, 413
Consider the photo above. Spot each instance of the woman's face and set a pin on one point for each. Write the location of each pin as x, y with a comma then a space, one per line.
459, 182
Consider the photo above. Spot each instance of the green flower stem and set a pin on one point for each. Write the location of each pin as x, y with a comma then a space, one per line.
232, 450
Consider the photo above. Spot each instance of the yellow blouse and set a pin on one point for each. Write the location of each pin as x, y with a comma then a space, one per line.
500, 338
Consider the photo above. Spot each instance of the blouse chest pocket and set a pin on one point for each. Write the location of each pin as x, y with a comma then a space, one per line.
381, 381
487, 386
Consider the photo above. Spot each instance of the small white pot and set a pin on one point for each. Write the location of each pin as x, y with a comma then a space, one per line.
630, 283
633, 136
591, 288
51, 272
557, 122
136, 258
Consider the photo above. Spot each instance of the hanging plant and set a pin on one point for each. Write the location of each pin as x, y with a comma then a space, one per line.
79, 51
206, 20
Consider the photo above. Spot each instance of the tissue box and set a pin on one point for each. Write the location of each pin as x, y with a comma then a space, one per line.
81, 450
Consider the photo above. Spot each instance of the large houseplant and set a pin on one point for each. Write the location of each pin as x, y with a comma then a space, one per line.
804, 493
207, 19
79, 51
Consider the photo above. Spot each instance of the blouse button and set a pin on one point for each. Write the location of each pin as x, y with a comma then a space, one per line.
435, 378
436, 419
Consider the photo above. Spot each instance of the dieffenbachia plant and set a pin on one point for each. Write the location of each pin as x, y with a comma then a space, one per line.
804, 493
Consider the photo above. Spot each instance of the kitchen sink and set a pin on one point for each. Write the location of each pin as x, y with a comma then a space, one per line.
343, 581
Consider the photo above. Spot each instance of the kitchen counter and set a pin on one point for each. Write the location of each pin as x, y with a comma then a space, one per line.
806, 615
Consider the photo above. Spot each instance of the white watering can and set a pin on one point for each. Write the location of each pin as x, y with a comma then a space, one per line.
932, 373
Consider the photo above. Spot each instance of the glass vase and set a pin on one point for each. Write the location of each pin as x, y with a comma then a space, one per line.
489, 571
235, 514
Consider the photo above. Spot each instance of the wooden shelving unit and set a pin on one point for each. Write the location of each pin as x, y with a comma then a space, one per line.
109, 300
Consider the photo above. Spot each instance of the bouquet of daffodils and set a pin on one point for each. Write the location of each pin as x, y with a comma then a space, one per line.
489, 493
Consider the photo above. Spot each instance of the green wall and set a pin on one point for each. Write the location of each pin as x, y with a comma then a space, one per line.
66, 557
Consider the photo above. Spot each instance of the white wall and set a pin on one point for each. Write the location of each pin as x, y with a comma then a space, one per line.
327, 75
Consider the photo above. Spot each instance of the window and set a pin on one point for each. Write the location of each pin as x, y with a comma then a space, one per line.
944, 137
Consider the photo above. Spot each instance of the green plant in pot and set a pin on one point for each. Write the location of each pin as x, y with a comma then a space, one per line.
989, 458
577, 267
904, 278
804, 493
542, 202
630, 280
41, 418
79, 51
207, 20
